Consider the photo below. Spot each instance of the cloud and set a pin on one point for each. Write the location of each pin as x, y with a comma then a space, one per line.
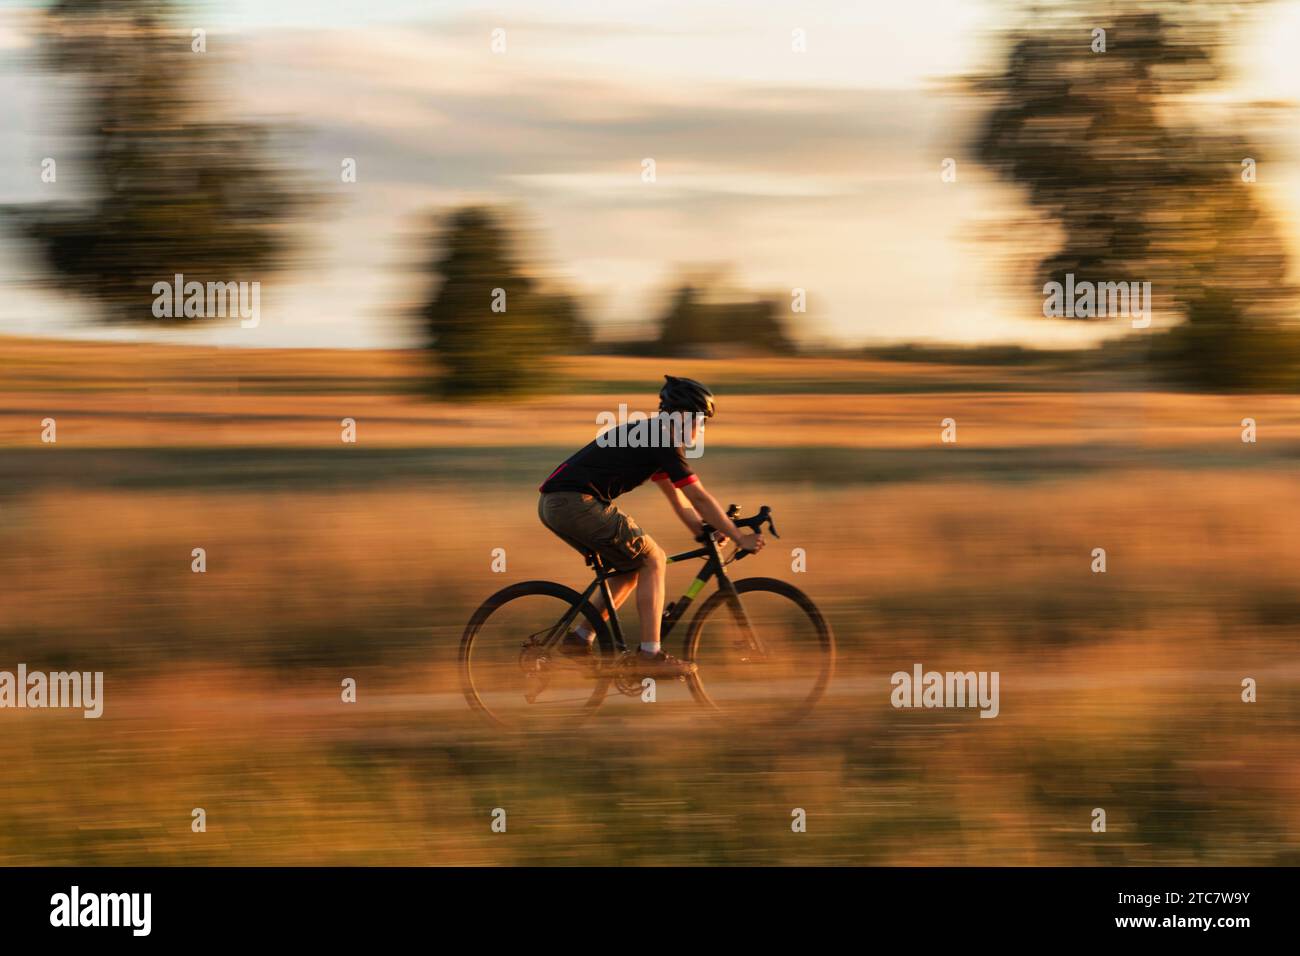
791, 172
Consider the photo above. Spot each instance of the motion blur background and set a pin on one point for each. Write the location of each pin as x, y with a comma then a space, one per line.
516, 160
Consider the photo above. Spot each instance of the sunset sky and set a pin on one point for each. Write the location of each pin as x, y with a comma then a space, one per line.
817, 170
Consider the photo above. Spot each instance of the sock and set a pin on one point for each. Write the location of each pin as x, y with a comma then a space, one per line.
650, 648
584, 631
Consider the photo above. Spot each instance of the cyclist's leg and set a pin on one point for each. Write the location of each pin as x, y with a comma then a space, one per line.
603, 528
650, 594
620, 586
648, 580
641, 564
588, 524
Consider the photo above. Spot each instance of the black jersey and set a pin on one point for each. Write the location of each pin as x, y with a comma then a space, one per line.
622, 458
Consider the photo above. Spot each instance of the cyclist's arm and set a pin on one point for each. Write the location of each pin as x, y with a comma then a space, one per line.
712, 512
694, 523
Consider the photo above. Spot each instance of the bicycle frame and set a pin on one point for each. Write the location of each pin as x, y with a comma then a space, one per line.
713, 567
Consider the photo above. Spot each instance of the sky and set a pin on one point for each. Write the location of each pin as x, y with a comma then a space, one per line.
816, 170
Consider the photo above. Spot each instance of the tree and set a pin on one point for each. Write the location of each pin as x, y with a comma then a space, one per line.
1109, 145
489, 324
700, 316
170, 192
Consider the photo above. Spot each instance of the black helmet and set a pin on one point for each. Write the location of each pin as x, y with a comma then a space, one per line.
685, 395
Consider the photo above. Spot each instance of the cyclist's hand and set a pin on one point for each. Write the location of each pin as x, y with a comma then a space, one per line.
750, 540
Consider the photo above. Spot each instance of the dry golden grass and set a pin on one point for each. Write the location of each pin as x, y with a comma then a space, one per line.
111, 395
753, 421
1118, 690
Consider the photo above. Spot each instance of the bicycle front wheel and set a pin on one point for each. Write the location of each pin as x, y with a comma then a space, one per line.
512, 669
767, 654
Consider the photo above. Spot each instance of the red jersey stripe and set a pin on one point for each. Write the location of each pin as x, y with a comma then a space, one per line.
551, 475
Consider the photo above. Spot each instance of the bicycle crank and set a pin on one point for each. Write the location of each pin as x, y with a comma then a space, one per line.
532, 661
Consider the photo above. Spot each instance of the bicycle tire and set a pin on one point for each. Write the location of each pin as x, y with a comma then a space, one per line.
825, 642
604, 647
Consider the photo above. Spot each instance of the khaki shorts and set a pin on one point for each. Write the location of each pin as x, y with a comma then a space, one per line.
589, 524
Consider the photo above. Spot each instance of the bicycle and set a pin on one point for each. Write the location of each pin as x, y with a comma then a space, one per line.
770, 655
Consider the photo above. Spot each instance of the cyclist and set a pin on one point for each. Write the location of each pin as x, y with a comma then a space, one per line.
577, 505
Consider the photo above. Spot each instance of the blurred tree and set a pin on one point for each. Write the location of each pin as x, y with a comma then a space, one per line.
1108, 144
489, 323
171, 192
700, 317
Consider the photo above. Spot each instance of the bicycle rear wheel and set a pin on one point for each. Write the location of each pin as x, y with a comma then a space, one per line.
512, 670
774, 661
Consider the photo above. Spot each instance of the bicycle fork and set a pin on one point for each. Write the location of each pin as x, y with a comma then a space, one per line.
757, 650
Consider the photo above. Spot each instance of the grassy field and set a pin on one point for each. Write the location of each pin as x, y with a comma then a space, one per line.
328, 560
